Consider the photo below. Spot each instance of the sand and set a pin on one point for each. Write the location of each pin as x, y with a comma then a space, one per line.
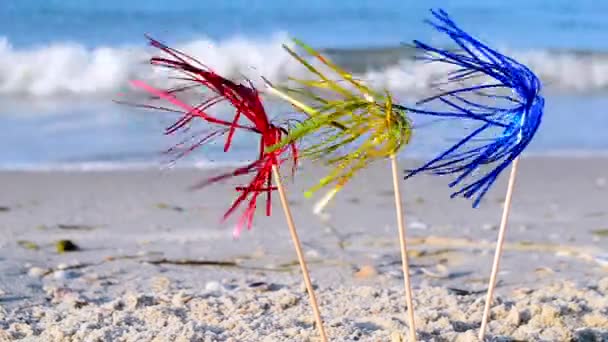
237, 311
155, 264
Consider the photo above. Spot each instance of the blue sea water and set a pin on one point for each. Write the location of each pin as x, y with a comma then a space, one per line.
63, 61
560, 24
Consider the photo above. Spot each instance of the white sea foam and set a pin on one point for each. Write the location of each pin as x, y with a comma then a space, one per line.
72, 69
61, 69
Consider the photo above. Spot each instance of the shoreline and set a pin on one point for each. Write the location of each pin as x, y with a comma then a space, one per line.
152, 166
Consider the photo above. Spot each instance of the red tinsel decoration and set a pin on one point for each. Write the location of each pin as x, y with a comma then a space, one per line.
247, 103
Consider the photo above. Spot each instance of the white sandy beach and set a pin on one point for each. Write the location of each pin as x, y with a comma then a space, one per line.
155, 263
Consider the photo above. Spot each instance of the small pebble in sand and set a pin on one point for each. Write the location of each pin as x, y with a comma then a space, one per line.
136, 301
63, 246
213, 286
366, 271
62, 266
64, 275
36, 272
75, 300
418, 225
262, 286
313, 253
66, 297
288, 301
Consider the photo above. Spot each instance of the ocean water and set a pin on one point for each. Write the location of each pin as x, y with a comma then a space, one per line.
62, 62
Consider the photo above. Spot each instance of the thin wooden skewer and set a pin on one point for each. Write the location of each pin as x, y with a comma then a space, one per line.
298, 247
404, 261
499, 247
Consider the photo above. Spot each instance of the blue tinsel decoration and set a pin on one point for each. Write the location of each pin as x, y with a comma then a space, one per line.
517, 114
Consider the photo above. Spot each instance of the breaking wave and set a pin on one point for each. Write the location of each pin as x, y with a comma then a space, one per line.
64, 68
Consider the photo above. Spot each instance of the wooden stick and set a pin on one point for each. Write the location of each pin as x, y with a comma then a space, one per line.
404, 261
499, 247
298, 246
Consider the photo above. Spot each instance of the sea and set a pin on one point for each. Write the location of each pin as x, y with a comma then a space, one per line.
65, 63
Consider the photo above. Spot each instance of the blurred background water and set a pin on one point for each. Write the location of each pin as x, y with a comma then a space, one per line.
63, 61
